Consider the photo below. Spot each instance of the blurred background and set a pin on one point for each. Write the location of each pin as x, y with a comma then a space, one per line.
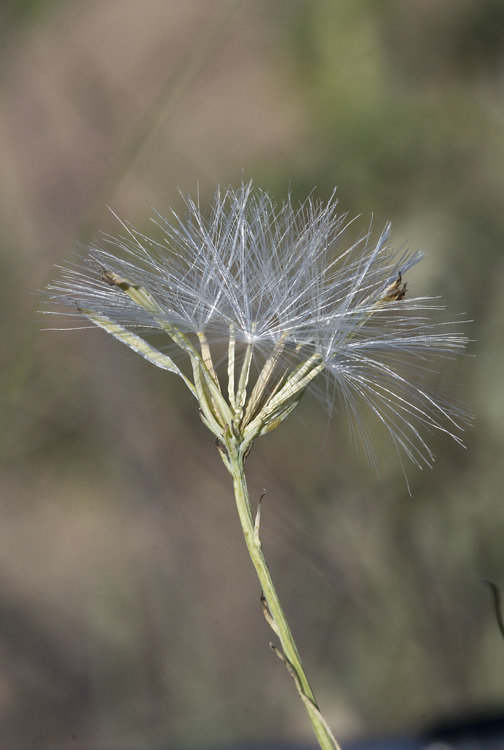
129, 610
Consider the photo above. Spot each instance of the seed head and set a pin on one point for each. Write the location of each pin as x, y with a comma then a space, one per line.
263, 301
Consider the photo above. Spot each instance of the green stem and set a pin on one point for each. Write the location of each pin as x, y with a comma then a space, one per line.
290, 655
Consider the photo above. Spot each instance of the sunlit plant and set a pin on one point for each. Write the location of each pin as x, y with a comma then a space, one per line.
257, 303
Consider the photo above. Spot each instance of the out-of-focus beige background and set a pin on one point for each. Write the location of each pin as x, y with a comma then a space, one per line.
129, 612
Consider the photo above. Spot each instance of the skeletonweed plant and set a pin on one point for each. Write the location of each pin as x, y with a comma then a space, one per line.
257, 303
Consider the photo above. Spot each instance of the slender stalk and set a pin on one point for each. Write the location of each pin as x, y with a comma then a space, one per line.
274, 613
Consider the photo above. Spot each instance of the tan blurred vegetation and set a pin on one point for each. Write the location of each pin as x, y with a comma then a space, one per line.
129, 612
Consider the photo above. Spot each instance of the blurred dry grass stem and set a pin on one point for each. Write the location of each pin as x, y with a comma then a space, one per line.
158, 115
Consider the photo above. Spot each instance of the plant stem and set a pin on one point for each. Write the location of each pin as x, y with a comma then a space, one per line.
289, 655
